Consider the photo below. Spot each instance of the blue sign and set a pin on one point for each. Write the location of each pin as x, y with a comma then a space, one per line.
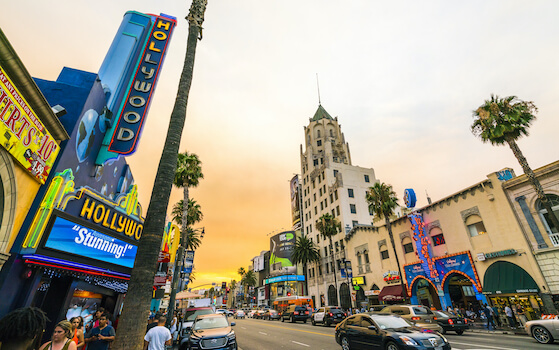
69, 237
284, 278
409, 197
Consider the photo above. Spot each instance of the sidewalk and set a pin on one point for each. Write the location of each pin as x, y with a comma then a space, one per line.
481, 327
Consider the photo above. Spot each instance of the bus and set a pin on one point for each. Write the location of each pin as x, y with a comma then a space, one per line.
282, 303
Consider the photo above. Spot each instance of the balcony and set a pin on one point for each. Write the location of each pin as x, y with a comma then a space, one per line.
554, 239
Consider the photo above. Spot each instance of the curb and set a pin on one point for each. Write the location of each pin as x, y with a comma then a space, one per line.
511, 332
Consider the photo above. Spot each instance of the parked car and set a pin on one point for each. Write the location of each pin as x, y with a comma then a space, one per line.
189, 316
258, 314
544, 331
418, 315
451, 322
251, 313
225, 312
239, 314
271, 314
211, 332
328, 315
295, 313
376, 308
386, 331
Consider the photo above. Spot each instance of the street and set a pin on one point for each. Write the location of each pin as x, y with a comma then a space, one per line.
265, 335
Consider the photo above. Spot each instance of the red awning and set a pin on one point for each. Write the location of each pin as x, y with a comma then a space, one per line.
392, 293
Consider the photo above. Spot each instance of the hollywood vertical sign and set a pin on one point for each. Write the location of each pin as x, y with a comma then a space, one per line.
135, 106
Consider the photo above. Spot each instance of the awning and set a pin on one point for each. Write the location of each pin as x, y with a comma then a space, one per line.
504, 277
392, 293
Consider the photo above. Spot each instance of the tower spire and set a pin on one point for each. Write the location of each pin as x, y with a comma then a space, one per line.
318, 88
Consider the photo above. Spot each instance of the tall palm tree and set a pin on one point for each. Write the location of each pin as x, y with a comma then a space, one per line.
193, 213
187, 174
305, 252
505, 120
329, 226
138, 298
241, 271
249, 280
382, 202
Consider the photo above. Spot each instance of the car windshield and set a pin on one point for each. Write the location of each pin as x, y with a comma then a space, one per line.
336, 311
385, 322
420, 310
190, 315
210, 323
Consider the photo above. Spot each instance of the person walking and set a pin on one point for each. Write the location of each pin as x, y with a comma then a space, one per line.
77, 332
22, 329
496, 315
159, 336
487, 312
173, 328
61, 338
510, 317
99, 338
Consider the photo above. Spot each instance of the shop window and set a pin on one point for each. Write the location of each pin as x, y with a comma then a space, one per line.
468, 291
475, 226
352, 209
350, 192
544, 216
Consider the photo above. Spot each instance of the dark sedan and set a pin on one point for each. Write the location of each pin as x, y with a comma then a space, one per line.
211, 332
271, 314
386, 332
451, 322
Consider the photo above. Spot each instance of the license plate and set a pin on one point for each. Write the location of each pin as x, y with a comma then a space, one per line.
458, 321
439, 348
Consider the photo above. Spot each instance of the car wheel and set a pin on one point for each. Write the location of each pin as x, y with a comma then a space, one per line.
313, 322
542, 335
305, 320
292, 320
392, 346
460, 332
444, 331
326, 323
345, 343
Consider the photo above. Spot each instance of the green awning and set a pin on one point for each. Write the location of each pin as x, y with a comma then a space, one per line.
505, 278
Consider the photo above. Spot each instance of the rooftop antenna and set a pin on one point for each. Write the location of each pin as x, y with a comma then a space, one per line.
318, 88
428, 198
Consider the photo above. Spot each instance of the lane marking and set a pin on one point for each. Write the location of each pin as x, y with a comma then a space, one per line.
485, 346
296, 342
243, 327
263, 333
298, 330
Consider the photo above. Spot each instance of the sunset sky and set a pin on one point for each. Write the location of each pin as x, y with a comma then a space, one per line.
402, 77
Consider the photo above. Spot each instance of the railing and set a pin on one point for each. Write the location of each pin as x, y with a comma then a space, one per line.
554, 239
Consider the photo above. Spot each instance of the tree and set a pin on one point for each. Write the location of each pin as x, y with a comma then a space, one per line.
249, 280
505, 120
194, 212
328, 226
187, 174
241, 271
305, 252
382, 202
131, 327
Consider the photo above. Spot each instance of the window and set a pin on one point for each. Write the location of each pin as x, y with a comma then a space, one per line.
315, 211
320, 191
319, 143
324, 189
321, 160
319, 179
350, 192
336, 195
477, 229
325, 251
320, 270
327, 268
408, 248
331, 133
366, 322
359, 262
337, 246
342, 247
366, 255
371, 210
544, 216
331, 198
438, 240
352, 209
314, 196
367, 178
333, 212
313, 184
321, 206
338, 210
315, 162
317, 238
384, 254
335, 172
354, 223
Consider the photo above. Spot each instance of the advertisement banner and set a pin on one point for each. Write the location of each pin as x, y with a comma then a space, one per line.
22, 134
69, 237
281, 248
285, 278
295, 202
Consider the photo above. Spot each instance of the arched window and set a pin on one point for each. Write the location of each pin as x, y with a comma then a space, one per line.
407, 245
331, 133
437, 236
318, 133
553, 200
383, 252
332, 296
475, 226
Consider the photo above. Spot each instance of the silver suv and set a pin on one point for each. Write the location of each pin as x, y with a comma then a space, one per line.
418, 315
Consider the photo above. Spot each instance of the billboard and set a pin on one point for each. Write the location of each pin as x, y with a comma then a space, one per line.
281, 248
22, 134
295, 202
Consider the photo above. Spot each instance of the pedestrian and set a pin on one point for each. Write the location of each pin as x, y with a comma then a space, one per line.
158, 336
61, 338
488, 315
152, 322
22, 329
496, 315
510, 317
77, 332
173, 328
521, 315
99, 338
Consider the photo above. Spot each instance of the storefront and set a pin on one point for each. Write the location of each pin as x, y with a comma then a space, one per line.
285, 285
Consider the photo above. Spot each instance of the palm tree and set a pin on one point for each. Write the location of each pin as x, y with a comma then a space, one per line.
328, 226
305, 252
138, 298
505, 120
382, 202
249, 280
241, 271
194, 212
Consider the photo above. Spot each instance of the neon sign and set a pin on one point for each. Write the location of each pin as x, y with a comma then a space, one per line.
423, 245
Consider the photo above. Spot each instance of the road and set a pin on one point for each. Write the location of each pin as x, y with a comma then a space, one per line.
266, 335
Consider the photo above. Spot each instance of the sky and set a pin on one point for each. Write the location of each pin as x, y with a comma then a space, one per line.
402, 77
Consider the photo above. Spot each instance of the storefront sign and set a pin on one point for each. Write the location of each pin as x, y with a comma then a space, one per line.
69, 237
359, 280
22, 134
107, 216
423, 245
284, 278
369, 293
498, 254
133, 113
391, 276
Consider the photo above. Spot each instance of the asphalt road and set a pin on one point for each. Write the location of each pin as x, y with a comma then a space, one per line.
268, 335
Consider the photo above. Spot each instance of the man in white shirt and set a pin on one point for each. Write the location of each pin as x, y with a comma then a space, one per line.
510, 317
157, 337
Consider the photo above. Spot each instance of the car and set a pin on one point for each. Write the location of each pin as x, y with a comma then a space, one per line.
271, 314
251, 313
258, 314
211, 332
189, 316
239, 314
224, 311
328, 315
295, 313
386, 331
418, 315
451, 322
376, 308
544, 331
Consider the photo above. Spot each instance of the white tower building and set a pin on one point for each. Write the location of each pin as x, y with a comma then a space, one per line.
331, 184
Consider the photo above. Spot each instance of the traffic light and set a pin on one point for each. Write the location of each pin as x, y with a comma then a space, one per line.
288, 294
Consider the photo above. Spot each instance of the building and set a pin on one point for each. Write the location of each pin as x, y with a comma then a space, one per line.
330, 185
31, 136
464, 250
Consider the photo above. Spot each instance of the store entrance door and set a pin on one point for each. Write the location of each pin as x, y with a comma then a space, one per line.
427, 294
461, 291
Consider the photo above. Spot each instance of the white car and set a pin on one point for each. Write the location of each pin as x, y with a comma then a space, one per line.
544, 331
239, 314
251, 313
